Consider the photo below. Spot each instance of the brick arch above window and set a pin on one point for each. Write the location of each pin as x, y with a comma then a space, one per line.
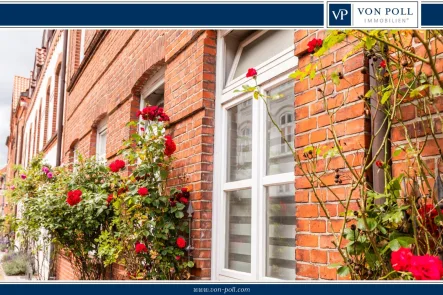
146, 76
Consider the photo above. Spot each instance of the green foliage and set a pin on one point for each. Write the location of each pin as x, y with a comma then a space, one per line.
111, 216
152, 219
379, 222
14, 264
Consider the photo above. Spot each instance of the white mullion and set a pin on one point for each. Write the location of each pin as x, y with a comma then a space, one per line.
262, 196
222, 194
218, 195
255, 189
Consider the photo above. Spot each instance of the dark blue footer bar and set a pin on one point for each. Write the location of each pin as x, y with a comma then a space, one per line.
225, 288
163, 15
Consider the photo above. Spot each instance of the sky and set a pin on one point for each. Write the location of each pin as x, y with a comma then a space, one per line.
17, 53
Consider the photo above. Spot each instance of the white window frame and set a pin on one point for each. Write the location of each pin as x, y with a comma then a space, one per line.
271, 74
102, 129
153, 84
82, 44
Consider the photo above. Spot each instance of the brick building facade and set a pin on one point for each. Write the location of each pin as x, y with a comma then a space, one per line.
253, 220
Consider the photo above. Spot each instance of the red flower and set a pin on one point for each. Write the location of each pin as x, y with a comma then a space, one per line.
140, 248
314, 44
427, 214
177, 257
110, 198
153, 113
170, 146
183, 200
184, 189
383, 64
401, 259
426, 267
181, 243
251, 73
117, 165
379, 164
172, 203
143, 191
74, 197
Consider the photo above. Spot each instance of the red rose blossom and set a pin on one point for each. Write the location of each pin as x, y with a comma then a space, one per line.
426, 267
177, 257
383, 64
184, 189
170, 146
143, 191
140, 248
74, 197
110, 198
183, 200
314, 44
401, 259
251, 73
153, 113
427, 214
181, 243
379, 164
117, 165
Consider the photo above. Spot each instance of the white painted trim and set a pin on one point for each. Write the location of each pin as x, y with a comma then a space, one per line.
238, 185
283, 178
218, 173
101, 128
82, 44
242, 45
271, 74
153, 84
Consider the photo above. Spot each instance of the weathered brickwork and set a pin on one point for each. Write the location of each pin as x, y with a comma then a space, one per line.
109, 85
314, 248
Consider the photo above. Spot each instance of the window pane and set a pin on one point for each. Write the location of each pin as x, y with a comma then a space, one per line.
101, 145
238, 231
156, 98
280, 253
263, 48
278, 154
240, 141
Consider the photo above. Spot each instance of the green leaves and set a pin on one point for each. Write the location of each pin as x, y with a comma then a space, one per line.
343, 271
333, 38
335, 78
416, 92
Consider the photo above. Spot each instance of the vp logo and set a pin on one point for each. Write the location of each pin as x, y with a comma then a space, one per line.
339, 14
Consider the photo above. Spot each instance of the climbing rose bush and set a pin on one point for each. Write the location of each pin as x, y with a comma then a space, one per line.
374, 221
101, 214
149, 222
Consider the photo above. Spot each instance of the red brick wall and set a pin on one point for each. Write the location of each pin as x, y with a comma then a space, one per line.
109, 85
314, 250
416, 123
189, 99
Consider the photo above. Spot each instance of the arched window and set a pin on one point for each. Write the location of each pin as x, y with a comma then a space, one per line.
253, 170
153, 92
100, 147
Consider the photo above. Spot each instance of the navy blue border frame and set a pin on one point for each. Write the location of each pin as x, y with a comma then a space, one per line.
167, 15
